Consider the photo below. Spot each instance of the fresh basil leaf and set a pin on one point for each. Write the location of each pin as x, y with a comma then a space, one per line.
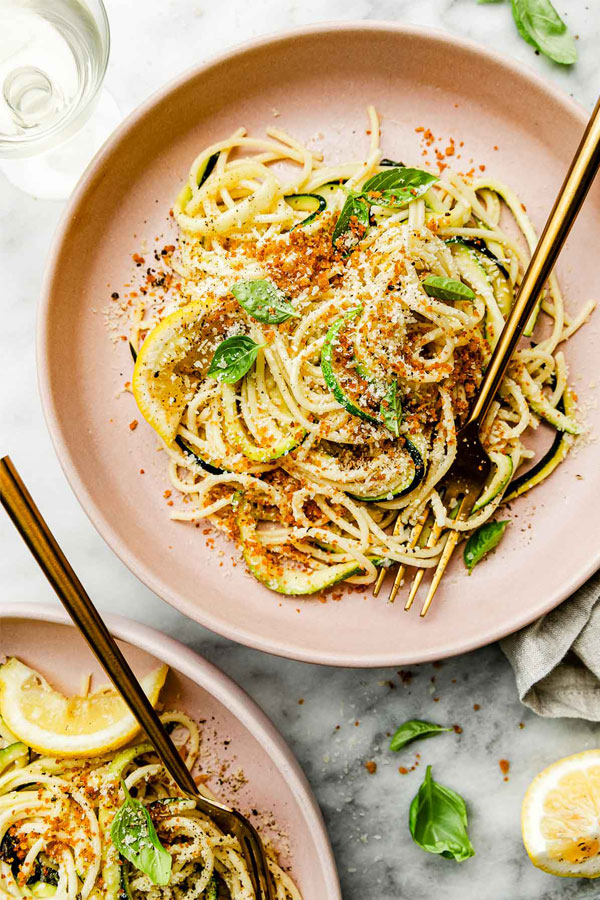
540, 25
447, 289
397, 187
346, 235
233, 358
135, 837
438, 821
414, 730
482, 541
390, 409
263, 301
390, 162
400, 177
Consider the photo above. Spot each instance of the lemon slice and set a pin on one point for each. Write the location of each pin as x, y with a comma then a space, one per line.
561, 817
171, 362
68, 726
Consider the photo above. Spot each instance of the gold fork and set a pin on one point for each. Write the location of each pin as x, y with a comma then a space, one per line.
465, 479
33, 529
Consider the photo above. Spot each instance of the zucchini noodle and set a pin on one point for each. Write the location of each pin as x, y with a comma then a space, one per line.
56, 815
296, 459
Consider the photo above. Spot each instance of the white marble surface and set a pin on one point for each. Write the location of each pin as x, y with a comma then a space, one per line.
366, 814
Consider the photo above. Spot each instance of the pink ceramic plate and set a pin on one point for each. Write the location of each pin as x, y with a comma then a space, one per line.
276, 786
319, 80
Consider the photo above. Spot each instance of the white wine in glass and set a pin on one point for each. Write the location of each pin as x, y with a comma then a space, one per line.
53, 57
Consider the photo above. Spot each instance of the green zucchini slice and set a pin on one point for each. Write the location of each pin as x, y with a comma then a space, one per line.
498, 482
329, 189
41, 889
558, 417
499, 282
559, 420
562, 443
495, 271
12, 753
207, 168
314, 204
279, 574
367, 470
480, 246
279, 444
193, 452
413, 476
474, 274
342, 376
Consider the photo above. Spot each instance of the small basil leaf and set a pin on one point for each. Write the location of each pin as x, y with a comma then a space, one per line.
482, 541
233, 358
390, 162
313, 204
540, 25
414, 730
134, 836
438, 821
397, 187
263, 301
390, 409
346, 234
447, 289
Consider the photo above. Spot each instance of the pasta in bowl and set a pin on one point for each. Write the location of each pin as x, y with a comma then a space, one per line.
317, 341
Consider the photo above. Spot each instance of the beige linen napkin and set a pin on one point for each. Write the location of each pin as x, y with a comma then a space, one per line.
557, 659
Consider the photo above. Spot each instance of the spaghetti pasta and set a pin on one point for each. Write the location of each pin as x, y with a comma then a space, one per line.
372, 296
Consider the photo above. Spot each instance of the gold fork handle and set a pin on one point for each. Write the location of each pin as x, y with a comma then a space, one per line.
33, 529
577, 183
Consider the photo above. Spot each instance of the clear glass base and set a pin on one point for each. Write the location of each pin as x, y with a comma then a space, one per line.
53, 174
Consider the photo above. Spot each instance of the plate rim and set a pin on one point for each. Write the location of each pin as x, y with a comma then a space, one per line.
102, 525
226, 691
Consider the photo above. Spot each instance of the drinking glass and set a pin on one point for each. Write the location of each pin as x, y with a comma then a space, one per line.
53, 57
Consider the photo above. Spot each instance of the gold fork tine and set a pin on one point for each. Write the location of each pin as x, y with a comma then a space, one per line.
379, 582
464, 509
414, 537
383, 571
440, 569
450, 494
420, 573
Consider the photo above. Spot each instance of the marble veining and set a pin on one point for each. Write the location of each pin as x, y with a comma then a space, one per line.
345, 715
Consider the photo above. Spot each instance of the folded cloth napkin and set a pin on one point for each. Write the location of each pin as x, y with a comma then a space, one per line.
557, 659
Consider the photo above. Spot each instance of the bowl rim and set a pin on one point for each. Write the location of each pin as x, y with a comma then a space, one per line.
244, 635
226, 691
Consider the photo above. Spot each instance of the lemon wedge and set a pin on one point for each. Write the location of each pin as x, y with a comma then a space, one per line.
561, 817
172, 360
53, 724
